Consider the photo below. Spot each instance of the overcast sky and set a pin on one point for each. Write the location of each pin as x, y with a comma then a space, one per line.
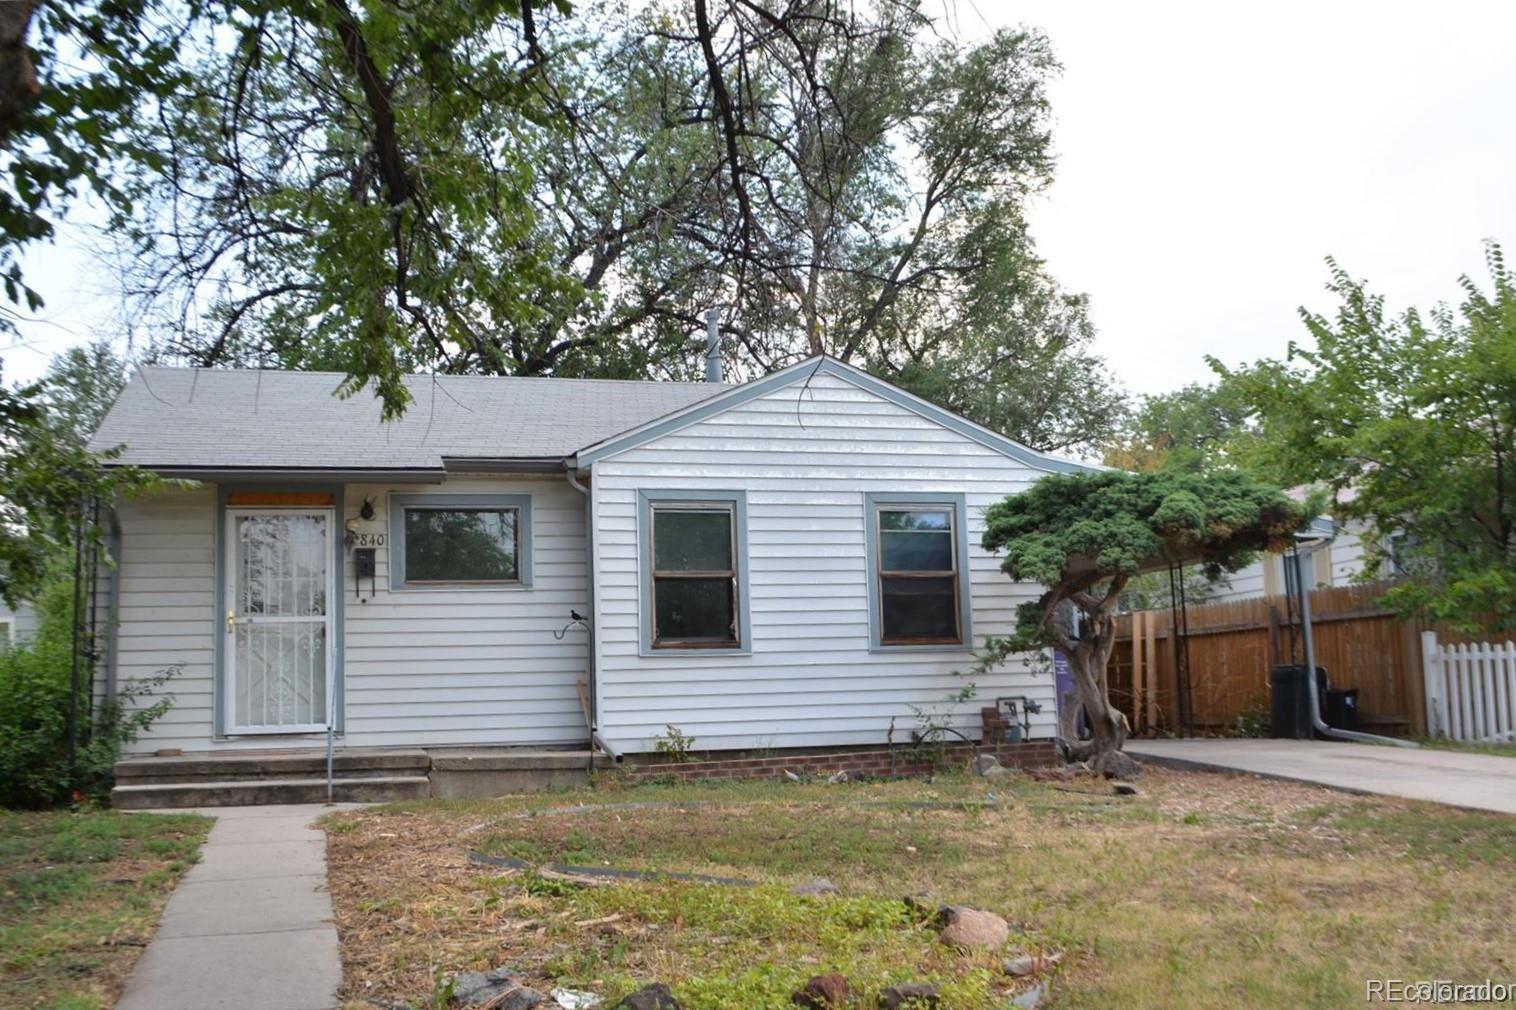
1209, 157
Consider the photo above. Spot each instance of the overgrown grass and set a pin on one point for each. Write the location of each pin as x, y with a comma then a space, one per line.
1204, 891
81, 896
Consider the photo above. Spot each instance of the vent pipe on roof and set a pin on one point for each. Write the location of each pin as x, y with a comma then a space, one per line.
712, 346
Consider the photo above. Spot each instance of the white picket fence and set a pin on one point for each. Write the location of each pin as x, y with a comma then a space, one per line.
1471, 690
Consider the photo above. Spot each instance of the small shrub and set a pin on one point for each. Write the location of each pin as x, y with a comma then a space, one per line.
1254, 719
35, 689
674, 745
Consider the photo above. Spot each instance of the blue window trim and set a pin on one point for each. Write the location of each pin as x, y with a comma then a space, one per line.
646, 499
398, 503
219, 573
872, 501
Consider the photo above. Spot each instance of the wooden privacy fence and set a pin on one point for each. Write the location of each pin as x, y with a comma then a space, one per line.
1233, 646
1470, 689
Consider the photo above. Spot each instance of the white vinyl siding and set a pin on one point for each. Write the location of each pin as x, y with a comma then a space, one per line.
805, 460
21, 621
475, 665
471, 664
167, 608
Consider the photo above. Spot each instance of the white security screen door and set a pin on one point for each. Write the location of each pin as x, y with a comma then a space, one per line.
278, 620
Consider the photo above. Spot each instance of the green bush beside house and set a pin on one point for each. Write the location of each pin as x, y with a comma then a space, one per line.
36, 692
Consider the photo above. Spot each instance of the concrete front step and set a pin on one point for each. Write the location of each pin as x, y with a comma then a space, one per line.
478, 774
251, 765
368, 789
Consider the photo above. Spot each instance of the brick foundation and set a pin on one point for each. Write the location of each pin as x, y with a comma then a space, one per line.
874, 762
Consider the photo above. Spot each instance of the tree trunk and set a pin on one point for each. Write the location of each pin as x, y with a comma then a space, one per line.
18, 78
1088, 657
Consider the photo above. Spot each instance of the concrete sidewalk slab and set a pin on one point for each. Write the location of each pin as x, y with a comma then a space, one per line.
250, 926
1473, 781
286, 970
224, 907
237, 861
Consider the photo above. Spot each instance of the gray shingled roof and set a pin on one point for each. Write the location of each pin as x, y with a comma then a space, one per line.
195, 418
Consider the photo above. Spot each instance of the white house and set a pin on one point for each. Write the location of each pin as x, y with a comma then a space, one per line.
1349, 557
793, 562
17, 624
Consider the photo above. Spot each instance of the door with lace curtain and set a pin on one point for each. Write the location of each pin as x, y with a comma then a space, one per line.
278, 648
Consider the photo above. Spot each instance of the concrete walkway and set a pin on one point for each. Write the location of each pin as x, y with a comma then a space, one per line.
250, 926
1474, 781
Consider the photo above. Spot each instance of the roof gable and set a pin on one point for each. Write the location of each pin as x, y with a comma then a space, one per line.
801, 372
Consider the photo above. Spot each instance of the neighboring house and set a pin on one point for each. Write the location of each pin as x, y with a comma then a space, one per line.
17, 624
793, 562
1343, 562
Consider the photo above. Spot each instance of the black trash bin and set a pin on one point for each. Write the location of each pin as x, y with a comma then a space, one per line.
1342, 708
1289, 705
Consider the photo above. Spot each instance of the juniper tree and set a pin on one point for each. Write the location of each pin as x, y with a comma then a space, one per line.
1084, 536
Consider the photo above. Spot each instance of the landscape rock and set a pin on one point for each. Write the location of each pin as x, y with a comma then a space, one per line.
1113, 764
908, 994
984, 762
967, 927
650, 997
996, 772
501, 988
1125, 789
1032, 997
1031, 964
823, 992
839, 778
791, 775
815, 888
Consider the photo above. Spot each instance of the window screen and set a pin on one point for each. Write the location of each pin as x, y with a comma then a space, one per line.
917, 567
694, 576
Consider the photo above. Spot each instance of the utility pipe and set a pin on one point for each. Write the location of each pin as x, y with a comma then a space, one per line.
1310, 660
712, 345
589, 625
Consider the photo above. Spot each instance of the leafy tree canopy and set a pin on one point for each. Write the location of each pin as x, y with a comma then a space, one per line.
47, 478
384, 188
1085, 536
1195, 428
1015, 355
73, 77
1079, 530
1410, 421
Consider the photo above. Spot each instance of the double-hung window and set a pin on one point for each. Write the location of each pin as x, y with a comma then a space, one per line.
693, 557
918, 560
459, 541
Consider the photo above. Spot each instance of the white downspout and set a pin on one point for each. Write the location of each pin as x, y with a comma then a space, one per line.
1317, 721
589, 589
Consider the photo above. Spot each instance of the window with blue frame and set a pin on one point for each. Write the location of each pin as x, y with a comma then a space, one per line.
918, 573
693, 560
694, 576
439, 541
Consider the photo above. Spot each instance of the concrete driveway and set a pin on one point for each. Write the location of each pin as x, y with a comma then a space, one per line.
1474, 781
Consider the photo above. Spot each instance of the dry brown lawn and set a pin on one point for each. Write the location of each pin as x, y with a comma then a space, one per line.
1204, 891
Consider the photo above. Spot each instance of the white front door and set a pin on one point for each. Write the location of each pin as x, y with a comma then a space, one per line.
278, 650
